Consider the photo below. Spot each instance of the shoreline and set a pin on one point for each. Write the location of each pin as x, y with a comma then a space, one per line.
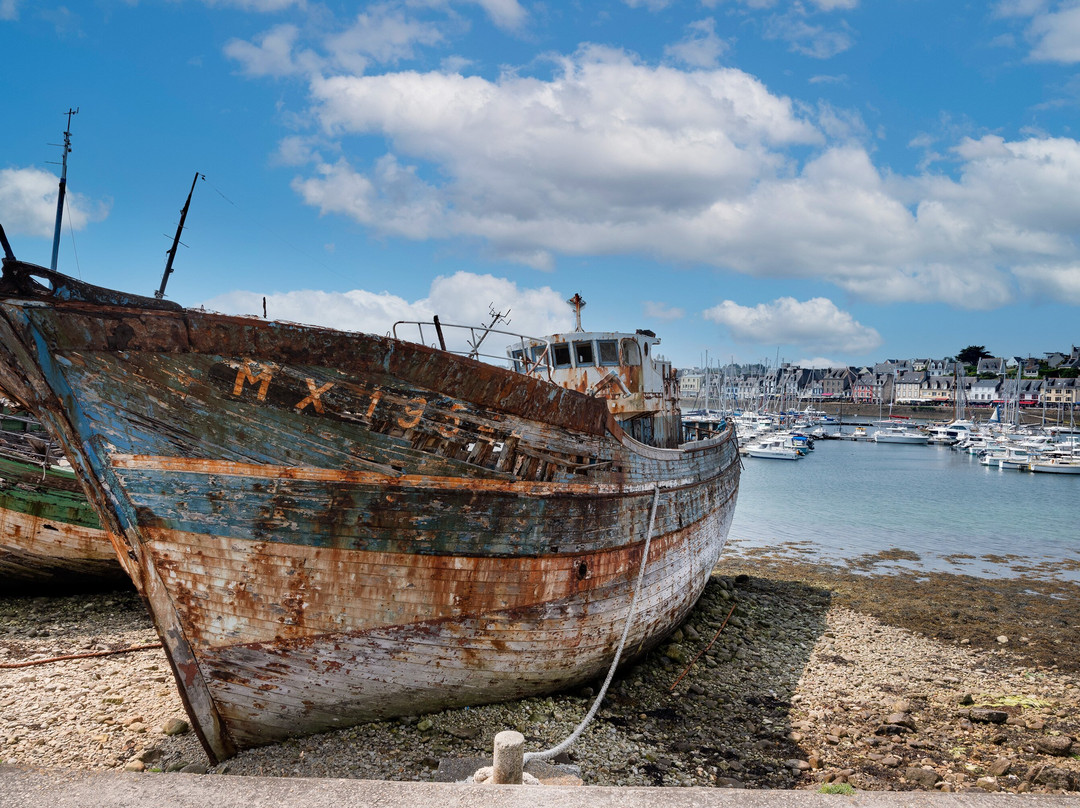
825, 674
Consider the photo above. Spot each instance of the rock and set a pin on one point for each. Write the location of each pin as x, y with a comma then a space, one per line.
901, 719
465, 733
988, 784
984, 715
927, 778
675, 653
1056, 778
135, 765
1000, 767
797, 765
967, 699
425, 725
891, 729
194, 768
1002, 639
151, 756
891, 761
176, 726
1057, 745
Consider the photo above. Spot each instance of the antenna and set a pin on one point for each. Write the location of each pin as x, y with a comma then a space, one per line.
496, 318
63, 187
160, 293
578, 302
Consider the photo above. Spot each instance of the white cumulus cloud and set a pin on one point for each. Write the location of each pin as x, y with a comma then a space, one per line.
1056, 35
701, 47
464, 299
815, 324
604, 156
609, 155
28, 203
663, 311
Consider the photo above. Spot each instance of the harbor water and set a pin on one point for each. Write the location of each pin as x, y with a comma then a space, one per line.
883, 507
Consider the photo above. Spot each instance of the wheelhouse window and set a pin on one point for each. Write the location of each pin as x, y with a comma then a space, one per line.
631, 352
561, 354
540, 356
519, 365
583, 354
609, 352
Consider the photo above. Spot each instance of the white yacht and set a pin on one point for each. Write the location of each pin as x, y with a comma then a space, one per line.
1056, 465
897, 433
773, 448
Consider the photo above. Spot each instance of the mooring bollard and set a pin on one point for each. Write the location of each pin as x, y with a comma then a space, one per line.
509, 758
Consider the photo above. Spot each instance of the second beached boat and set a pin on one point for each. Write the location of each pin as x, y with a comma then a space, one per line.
51, 541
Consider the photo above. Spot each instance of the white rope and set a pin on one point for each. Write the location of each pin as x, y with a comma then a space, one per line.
547, 754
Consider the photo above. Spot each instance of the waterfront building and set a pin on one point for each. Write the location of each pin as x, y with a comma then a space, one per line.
690, 384
1057, 392
992, 364
941, 367
984, 391
908, 386
837, 383
873, 388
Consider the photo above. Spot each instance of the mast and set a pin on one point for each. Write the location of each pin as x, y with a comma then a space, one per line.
63, 187
160, 293
706, 381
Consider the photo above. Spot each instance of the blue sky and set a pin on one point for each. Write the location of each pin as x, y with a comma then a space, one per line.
822, 181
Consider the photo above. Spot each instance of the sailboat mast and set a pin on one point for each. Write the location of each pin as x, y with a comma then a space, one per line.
160, 293
63, 188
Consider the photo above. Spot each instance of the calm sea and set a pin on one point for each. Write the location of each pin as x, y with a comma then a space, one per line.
943, 510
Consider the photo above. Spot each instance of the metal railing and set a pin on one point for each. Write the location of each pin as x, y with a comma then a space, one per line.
534, 359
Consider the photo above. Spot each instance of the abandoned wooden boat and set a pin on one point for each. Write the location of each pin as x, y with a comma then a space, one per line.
51, 541
336, 527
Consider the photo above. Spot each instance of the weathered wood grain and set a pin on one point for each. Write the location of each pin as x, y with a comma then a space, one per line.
50, 538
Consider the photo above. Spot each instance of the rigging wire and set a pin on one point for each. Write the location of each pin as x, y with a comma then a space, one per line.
71, 235
277, 235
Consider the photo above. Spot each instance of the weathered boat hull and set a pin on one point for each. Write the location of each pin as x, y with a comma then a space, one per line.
51, 541
333, 527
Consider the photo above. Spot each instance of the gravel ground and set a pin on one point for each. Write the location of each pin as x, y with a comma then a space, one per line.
823, 675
